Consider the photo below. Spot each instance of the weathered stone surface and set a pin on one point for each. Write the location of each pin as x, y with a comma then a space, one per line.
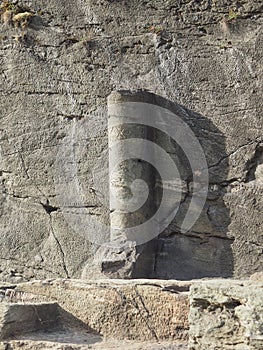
257, 277
56, 73
138, 314
119, 309
58, 314
226, 314
117, 260
106, 345
17, 319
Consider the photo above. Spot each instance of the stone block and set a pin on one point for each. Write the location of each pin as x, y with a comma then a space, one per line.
226, 314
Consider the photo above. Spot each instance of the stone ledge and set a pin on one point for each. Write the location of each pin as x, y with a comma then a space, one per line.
119, 309
223, 314
106, 345
18, 319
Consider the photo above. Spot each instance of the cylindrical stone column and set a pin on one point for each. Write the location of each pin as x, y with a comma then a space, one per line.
132, 180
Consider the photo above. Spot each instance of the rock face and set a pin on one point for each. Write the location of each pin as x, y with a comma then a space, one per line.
60, 61
226, 315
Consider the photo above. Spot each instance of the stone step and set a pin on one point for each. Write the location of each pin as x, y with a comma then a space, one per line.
132, 314
16, 319
67, 341
143, 310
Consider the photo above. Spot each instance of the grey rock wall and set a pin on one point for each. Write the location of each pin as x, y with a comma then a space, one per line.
59, 64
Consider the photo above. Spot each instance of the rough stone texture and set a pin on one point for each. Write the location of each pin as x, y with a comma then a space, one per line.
135, 309
20, 318
135, 314
226, 314
58, 314
57, 69
107, 345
